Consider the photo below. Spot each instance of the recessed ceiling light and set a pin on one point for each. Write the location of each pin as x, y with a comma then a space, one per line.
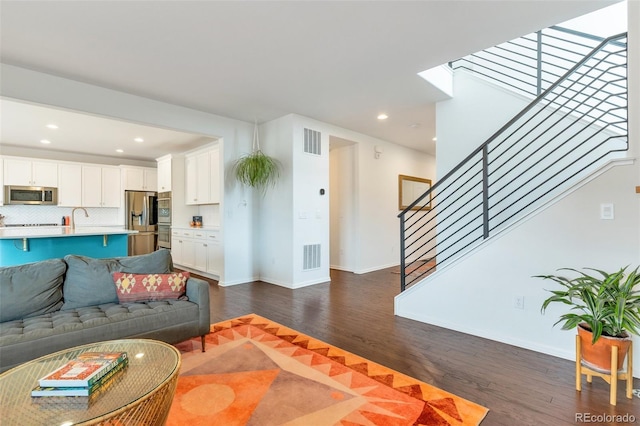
52, 126
45, 141
120, 150
383, 117
139, 140
434, 139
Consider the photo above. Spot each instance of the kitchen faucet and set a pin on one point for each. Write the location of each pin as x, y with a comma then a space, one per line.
73, 222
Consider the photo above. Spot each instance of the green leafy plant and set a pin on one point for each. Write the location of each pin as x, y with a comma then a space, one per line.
608, 303
257, 169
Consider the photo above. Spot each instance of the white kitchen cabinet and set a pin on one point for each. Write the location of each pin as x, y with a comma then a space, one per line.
69, 185
164, 174
188, 253
200, 250
190, 180
197, 249
202, 176
214, 181
26, 172
214, 253
176, 250
140, 178
101, 186
183, 249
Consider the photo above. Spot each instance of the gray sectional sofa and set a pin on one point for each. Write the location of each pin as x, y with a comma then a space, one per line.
56, 304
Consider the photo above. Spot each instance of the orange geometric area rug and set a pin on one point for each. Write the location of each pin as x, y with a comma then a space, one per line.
258, 372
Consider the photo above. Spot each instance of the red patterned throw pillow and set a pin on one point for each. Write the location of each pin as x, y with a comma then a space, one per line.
148, 287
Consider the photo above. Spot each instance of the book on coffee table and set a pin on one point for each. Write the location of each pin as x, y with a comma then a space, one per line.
66, 391
84, 370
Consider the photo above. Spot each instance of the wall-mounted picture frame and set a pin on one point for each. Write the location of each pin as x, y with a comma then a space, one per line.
409, 189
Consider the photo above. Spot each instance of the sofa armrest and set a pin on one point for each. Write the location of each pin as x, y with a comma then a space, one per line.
198, 292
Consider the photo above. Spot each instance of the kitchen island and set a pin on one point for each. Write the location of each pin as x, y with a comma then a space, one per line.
20, 245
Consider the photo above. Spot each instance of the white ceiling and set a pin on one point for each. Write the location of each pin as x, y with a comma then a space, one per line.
340, 62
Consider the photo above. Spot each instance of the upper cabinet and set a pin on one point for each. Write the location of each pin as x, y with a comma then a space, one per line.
101, 187
202, 176
214, 187
164, 174
140, 178
25, 172
69, 185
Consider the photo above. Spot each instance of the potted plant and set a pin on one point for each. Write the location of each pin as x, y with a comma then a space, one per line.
605, 307
257, 169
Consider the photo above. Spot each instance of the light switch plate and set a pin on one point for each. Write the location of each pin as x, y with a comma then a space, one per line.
606, 211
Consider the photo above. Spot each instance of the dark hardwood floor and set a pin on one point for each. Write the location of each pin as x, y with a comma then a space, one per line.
355, 312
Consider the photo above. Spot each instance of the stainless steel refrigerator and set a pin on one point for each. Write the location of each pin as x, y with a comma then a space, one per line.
141, 214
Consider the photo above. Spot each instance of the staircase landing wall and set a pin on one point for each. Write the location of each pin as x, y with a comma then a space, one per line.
478, 109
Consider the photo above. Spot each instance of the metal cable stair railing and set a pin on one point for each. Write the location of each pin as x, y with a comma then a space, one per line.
573, 126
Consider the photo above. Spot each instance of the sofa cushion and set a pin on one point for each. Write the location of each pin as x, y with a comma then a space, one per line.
21, 340
148, 287
31, 289
88, 281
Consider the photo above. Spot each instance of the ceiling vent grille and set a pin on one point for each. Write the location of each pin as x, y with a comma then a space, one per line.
312, 142
311, 257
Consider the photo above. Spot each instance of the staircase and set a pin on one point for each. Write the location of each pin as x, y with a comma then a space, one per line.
575, 123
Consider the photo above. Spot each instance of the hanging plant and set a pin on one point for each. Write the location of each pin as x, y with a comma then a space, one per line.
257, 169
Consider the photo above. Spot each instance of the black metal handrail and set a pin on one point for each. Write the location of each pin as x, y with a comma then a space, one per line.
575, 124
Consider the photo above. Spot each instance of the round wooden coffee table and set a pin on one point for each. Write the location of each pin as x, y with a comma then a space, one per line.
140, 395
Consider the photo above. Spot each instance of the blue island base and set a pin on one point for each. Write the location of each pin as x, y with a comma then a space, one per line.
12, 251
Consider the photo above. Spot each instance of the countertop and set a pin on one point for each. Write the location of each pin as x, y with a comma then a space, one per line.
60, 231
200, 228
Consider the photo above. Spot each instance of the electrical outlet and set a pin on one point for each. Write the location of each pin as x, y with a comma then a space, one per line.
518, 302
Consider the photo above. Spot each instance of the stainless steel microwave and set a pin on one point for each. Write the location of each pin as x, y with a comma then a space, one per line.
33, 195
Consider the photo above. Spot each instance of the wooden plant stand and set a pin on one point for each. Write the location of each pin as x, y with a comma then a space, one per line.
611, 377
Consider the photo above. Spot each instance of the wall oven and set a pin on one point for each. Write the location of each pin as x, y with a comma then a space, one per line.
164, 219
164, 208
164, 236
30, 195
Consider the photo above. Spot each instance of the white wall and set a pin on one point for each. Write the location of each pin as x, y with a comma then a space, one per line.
374, 226
342, 186
362, 188
294, 213
457, 139
378, 226
310, 206
275, 252
236, 216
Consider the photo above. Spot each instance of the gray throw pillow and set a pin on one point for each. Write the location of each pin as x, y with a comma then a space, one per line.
31, 289
88, 281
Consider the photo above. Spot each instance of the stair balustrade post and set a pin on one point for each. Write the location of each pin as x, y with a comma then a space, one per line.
403, 282
485, 191
539, 64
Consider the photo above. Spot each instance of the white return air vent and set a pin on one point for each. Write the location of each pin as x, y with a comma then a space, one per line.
311, 257
312, 142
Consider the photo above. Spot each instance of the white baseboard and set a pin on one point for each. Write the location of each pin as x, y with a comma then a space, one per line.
375, 268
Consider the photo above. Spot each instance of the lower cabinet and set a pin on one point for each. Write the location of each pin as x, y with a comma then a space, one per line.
197, 249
